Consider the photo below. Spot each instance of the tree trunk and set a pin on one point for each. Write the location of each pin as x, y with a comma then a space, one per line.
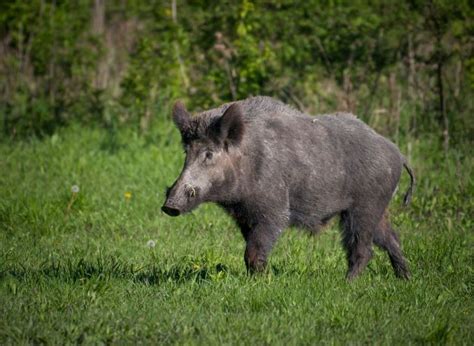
98, 29
443, 117
412, 89
182, 68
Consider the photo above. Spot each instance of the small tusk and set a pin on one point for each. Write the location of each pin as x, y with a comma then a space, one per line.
190, 190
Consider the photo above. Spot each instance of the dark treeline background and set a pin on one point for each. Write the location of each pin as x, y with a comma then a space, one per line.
405, 67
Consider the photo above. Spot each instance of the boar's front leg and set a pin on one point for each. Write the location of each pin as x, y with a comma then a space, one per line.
260, 240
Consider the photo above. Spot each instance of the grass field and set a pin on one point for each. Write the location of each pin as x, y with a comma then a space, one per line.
80, 267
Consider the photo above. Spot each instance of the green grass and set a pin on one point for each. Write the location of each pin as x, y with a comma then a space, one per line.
86, 274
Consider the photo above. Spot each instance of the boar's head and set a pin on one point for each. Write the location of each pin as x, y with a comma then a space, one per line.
210, 172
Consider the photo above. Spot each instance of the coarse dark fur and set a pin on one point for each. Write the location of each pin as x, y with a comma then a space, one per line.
270, 166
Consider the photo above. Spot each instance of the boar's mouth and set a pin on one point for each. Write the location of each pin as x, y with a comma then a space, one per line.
170, 210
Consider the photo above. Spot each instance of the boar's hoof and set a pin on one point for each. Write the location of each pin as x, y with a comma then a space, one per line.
402, 272
255, 266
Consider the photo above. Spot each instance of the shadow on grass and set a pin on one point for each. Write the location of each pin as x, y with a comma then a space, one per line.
112, 268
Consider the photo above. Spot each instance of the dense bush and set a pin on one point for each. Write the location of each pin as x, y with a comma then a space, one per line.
123, 62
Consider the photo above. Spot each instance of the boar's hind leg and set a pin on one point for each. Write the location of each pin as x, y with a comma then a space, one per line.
386, 238
357, 228
260, 240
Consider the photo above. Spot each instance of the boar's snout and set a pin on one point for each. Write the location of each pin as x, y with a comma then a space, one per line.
180, 199
171, 207
171, 211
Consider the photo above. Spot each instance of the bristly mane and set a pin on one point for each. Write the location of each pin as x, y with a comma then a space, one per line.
202, 122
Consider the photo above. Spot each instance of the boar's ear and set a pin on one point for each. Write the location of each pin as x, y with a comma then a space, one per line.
181, 117
230, 126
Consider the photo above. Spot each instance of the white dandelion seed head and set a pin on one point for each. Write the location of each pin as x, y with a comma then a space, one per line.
74, 189
150, 244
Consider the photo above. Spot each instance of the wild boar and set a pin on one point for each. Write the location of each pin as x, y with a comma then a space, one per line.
271, 166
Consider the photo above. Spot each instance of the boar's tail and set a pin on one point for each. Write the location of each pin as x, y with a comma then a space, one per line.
408, 194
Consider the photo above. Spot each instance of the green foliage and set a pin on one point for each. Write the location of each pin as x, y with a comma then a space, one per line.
154, 75
119, 62
50, 57
79, 267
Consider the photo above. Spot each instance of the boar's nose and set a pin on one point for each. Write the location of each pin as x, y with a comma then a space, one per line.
171, 211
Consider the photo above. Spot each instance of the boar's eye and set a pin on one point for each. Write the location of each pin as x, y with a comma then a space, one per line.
209, 155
